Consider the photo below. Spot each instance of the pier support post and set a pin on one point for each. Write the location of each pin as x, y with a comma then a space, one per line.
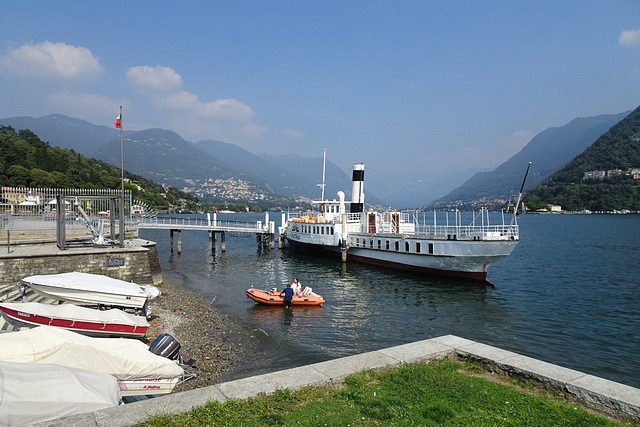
179, 242
223, 247
171, 239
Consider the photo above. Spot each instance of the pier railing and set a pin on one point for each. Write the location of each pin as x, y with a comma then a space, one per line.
169, 223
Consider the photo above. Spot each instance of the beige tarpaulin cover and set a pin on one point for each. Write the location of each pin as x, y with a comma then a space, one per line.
125, 359
79, 314
36, 393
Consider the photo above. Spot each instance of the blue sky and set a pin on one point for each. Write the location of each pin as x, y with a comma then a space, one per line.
418, 89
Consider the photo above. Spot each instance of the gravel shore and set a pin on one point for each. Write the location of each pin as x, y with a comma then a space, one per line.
219, 344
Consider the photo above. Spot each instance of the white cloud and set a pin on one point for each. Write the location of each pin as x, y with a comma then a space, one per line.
224, 119
227, 109
629, 37
94, 108
161, 79
46, 61
518, 139
292, 133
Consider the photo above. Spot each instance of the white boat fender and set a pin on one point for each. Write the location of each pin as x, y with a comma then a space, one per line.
152, 293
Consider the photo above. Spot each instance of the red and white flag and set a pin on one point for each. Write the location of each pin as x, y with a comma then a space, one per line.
118, 121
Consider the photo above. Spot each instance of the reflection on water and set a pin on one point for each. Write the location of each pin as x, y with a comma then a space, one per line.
568, 294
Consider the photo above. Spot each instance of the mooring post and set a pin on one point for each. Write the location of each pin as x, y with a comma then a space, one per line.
280, 236
179, 242
223, 247
272, 231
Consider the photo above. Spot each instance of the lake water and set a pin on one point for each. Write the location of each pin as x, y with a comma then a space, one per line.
569, 294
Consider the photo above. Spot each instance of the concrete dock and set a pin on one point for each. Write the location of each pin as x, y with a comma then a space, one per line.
619, 400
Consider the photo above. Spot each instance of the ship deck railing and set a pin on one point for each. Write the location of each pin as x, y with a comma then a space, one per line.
492, 232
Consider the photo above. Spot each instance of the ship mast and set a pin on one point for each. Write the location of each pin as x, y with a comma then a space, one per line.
324, 168
515, 208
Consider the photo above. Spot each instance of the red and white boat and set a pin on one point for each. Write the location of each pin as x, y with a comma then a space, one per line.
273, 297
87, 321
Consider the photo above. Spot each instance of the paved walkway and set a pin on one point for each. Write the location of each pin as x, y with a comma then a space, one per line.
605, 394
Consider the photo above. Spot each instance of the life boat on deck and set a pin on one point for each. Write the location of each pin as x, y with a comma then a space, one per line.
273, 297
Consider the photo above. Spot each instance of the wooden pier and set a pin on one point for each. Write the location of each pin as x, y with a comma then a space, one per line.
265, 232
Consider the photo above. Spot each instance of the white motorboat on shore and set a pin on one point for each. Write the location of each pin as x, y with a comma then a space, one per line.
138, 370
398, 240
94, 289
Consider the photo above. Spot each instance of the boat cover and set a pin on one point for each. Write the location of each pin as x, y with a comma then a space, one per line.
32, 394
91, 283
124, 358
79, 314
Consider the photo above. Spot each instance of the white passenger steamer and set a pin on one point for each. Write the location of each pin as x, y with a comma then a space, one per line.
397, 239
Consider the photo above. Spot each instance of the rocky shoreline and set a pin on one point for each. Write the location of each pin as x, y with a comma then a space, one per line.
219, 344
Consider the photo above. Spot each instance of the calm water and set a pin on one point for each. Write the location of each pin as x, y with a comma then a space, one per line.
569, 294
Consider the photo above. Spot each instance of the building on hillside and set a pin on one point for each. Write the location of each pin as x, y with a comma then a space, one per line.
555, 208
593, 175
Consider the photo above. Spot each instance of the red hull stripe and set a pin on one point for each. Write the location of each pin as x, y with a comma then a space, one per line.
98, 328
480, 276
471, 275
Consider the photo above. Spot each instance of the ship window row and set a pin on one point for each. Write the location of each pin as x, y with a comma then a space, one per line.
318, 229
409, 246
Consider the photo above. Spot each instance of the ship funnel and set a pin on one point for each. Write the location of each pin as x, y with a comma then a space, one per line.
357, 191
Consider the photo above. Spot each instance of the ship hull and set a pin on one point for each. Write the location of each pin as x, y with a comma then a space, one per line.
468, 260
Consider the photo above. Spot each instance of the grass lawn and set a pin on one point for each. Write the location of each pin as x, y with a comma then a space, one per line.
439, 393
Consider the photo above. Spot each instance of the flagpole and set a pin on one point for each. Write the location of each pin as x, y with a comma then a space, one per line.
121, 155
121, 210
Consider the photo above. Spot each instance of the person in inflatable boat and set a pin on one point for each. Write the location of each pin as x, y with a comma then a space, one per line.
288, 296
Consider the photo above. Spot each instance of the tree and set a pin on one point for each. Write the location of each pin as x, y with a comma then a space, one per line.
40, 178
20, 176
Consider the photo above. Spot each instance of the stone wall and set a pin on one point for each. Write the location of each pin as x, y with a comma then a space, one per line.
137, 262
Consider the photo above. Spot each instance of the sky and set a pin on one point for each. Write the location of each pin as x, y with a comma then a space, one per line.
415, 89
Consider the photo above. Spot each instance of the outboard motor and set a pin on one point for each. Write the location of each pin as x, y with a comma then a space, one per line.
166, 346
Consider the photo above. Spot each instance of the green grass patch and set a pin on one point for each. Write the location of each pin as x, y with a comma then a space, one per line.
444, 393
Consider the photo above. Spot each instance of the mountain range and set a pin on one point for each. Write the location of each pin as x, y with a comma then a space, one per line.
548, 152
166, 158
605, 177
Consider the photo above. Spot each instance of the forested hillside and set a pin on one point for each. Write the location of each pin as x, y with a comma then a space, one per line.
614, 160
26, 161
